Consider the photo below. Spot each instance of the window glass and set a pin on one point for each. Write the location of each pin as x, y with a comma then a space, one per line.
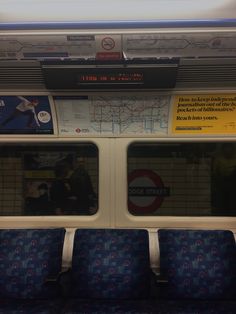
48, 179
182, 179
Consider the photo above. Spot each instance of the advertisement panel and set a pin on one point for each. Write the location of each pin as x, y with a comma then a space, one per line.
25, 115
204, 114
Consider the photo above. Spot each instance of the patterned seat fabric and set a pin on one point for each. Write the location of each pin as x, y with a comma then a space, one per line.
28, 258
198, 264
111, 264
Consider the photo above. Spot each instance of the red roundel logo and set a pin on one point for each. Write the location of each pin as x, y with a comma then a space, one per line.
78, 130
146, 191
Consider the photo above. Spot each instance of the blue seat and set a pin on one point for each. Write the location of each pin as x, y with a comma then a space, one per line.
111, 263
193, 307
29, 260
111, 270
30, 306
101, 306
198, 264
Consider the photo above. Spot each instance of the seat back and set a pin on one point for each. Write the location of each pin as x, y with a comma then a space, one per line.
198, 264
111, 264
28, 258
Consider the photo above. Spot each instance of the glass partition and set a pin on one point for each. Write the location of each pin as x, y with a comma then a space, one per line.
48, 179
182, 179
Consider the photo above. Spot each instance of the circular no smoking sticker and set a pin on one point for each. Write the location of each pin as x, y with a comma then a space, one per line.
146, 191
108, 43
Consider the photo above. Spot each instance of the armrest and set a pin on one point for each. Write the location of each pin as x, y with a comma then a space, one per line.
159, 284
61, 282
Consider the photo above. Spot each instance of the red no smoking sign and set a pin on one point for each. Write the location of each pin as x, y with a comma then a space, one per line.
146, 191
108, 47
108, 43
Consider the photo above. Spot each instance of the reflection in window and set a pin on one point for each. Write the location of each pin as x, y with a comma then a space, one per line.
182, 179
48, 179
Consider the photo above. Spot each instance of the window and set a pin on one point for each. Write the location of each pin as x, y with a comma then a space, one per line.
48, 179
182, 179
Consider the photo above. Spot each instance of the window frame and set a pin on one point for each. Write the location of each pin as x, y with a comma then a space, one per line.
137, 153
100, 218
126, 219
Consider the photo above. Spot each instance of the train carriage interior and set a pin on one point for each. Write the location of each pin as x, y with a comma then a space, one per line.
118, 157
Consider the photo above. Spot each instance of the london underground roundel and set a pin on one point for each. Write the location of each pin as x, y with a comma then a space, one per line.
146, 191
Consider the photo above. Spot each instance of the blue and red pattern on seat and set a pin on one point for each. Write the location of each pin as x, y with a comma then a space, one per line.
198, 264
28, 258
111, 264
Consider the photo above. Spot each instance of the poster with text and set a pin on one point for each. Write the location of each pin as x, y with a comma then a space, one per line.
25, 115
204, 114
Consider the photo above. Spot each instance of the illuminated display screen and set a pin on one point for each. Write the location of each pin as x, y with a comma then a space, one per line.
112, 78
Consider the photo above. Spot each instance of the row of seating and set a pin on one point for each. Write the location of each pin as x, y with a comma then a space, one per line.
111, 272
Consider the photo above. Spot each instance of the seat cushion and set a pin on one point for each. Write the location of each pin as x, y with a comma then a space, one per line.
28, 258
193, 307
108, 307
198, 264
149, 307
8, 306
111, 264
